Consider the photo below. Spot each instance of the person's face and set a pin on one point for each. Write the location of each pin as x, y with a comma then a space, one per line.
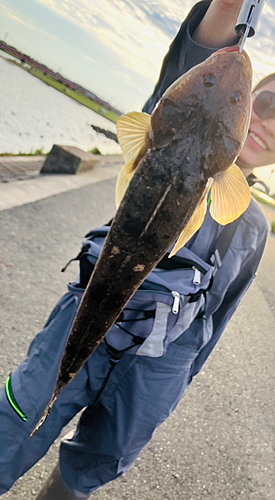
259, 147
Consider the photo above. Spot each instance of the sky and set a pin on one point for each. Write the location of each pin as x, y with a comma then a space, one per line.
113, 47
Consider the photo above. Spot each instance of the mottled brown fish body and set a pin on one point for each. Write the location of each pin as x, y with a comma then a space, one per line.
213, 116
197, 130
137, 240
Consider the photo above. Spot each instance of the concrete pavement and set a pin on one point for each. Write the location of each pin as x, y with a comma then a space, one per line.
219, 443
38, 186
20, 167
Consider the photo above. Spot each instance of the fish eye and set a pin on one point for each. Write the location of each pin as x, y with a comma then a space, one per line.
208, 80
235, 97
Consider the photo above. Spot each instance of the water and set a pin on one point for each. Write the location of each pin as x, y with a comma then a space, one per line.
34, 116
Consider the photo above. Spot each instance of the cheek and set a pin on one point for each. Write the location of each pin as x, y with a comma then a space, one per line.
254, 118
250, 157
256, 159
247, 156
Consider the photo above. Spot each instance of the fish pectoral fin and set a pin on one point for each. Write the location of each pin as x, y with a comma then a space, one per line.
230, 195
132, 133
193, 225
124, 177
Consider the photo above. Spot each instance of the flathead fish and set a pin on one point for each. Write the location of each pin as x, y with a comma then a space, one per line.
172, 158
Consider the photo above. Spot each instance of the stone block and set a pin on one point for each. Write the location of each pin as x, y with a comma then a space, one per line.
68, 160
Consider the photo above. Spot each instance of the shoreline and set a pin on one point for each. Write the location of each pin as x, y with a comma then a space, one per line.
78, 97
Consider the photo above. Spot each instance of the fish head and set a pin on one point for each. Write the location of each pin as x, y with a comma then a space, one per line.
210, 104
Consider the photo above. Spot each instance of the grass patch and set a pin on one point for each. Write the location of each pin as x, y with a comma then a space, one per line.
37, 152
272, 227
73, 94
95, 151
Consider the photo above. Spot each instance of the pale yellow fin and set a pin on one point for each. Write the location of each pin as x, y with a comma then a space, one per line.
124, 177
230, 195
194, 223
132, 133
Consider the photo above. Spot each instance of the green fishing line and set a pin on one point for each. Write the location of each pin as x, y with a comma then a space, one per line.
12, 400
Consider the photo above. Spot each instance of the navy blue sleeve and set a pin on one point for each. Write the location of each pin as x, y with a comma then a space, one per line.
183, 54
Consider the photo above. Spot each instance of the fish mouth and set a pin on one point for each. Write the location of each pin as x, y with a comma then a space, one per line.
236, 48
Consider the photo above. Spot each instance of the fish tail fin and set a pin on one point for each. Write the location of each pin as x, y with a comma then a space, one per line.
45, 414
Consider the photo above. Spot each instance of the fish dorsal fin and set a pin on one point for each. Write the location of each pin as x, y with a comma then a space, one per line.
194, 223
124, 177
230, 195
132, 133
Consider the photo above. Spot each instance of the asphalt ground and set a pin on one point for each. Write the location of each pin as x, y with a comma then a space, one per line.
219, 442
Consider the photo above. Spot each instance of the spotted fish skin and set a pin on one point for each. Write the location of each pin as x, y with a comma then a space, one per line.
196, 132
129, 264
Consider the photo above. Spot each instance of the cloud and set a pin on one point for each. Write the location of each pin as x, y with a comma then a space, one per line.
140, 31
12, 16
102, 23
130, 36
129, 80
261, 48
88, 58
10, 13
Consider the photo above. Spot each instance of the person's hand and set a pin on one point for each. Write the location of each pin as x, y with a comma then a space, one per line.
217, 28
228, 5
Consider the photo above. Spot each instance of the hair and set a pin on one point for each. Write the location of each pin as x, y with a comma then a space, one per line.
267, 79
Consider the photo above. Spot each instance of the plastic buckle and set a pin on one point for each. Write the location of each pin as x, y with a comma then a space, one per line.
114, 354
